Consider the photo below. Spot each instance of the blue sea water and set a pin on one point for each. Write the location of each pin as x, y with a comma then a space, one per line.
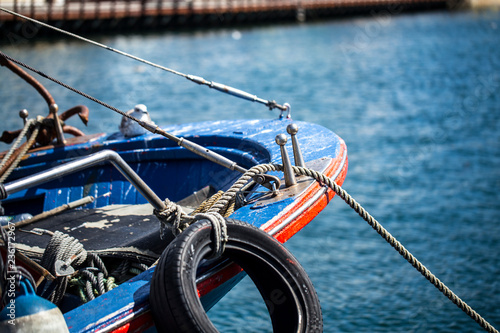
416, 98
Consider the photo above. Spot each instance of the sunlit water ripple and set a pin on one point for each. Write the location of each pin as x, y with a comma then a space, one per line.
417, 100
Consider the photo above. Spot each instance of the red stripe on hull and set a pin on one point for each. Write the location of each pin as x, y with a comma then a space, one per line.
145, 320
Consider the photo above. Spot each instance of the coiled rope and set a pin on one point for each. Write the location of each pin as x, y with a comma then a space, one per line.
68, 249
91, 280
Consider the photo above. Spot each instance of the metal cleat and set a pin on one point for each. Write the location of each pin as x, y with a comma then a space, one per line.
292, 129
287, 165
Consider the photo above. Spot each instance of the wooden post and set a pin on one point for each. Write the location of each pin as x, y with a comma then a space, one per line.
143, 9
15, 8
82, 9
65, 12
49, 10
32, 8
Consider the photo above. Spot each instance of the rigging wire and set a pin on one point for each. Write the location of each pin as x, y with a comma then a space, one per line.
92, 42
195, 148
196, 79
66, 85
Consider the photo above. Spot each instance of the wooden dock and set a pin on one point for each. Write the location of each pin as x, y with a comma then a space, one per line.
112, 14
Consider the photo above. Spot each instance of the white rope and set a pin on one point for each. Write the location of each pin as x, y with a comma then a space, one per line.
17, 143
397, 246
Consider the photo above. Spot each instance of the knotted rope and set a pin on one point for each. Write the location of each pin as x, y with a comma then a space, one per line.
220, 205
172, 217
176, 220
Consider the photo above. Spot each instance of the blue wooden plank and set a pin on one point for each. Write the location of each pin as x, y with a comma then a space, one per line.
116, 189
50, 200
76, 192
62, 196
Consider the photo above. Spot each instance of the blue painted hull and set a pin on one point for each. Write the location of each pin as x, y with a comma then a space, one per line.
173, 172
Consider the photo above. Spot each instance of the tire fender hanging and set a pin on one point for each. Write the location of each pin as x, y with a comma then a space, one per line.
284, 285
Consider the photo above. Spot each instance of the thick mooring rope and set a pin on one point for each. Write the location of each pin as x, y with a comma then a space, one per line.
396, 245
227, 199
229, 195
171, 217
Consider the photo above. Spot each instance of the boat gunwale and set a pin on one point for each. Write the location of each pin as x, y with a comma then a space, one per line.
336, 170
313, 200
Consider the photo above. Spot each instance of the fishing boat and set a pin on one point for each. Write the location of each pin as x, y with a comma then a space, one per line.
149, 227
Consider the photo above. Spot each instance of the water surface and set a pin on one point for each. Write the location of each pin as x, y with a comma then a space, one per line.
415, 97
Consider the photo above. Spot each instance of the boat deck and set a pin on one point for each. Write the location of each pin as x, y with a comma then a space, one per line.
130, 230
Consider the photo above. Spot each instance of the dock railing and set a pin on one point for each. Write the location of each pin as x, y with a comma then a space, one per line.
95, 10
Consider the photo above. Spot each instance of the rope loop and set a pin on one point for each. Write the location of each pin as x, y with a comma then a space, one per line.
219, 231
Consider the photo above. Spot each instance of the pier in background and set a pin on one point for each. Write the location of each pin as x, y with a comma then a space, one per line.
105, 15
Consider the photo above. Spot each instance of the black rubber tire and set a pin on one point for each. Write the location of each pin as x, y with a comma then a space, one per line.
288, 292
